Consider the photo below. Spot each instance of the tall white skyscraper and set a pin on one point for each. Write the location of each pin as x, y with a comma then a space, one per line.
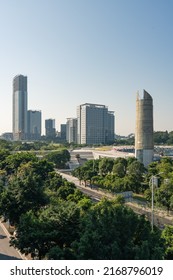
20, 107
95, 124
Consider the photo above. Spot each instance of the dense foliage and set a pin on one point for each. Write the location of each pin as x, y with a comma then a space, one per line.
115, 175
54, 220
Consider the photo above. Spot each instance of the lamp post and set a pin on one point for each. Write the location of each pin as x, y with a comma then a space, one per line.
154, 182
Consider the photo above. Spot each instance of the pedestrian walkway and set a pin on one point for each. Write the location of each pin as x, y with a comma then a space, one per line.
7, 252
161, 217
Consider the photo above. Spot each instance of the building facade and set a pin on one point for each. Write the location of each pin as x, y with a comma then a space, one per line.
71, 130
95, 124
63, 128
34, 125
20, 104
144, 144
50, 128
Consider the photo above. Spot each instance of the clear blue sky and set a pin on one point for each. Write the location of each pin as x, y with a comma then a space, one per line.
95, 51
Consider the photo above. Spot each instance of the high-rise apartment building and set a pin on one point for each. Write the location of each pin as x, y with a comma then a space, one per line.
63, 128
20, 107
71, 130
144, 145
50, 128
95, 124
34, 125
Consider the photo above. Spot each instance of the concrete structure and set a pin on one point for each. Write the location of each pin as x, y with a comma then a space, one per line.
34, 125
71, 130
95, 124
20, 107
50, 128
144, 146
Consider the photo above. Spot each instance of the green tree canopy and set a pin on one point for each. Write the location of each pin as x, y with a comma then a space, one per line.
105, 166
59, 158
12, 162
167, 235
112, 231
56, 226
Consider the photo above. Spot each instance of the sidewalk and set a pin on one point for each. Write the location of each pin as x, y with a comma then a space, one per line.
9, 234
161, 218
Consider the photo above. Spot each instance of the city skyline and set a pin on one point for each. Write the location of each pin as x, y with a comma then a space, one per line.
76, 52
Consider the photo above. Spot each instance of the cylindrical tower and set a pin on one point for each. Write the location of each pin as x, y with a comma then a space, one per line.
144, 146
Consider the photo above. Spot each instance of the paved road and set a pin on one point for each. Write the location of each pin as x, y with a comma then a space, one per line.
95, 194
7, 252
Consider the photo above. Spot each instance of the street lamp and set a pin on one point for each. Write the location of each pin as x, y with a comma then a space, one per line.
154, 182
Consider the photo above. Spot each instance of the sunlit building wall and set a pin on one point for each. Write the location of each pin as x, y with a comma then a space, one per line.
20, 107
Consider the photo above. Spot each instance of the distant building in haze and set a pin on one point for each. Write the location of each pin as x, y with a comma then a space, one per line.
20, 107
63, 132
34, 125
71, 130
50, 128
7, 136
144, 145
95, 124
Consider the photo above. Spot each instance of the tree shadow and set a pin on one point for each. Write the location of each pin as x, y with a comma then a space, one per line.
2, 236
6, 257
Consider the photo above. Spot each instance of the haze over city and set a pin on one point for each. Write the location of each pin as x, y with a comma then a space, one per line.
94, 51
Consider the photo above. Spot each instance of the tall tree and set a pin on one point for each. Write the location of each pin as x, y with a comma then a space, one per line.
112, 231
105, 166
167, 235
55, 226
164, 194
59, 158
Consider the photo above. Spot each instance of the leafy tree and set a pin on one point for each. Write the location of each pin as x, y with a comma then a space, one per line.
78, 172
42, 168
3, 154
53, 181
5, 145
105, 166
64, 191
152, 169
119, 170
135, 172
59, 158
112, 231
167, 235
170, 140
161, 137
57, 226
25, 191
164, 167
164, 195
76, 196
137, 169
12, 162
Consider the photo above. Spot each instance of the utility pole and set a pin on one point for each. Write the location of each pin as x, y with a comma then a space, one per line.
154, 182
